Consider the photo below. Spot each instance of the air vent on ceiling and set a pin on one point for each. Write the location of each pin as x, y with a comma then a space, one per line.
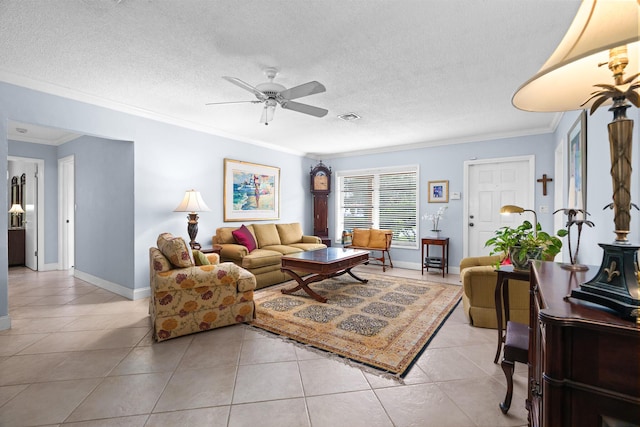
348, 117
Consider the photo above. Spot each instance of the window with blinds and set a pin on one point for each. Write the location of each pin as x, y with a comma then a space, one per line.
383, 199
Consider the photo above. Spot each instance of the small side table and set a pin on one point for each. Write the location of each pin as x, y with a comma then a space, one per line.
505, 272
441, 262
213, 250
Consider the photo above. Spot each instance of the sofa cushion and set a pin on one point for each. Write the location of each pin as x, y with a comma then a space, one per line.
175, 250
283, 249
224, 235
261, 258
308, 246
378, 238
361, 237
199, 258
244, 237
290, 233
266, 235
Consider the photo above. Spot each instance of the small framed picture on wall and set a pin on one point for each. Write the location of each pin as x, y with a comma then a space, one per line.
439, 191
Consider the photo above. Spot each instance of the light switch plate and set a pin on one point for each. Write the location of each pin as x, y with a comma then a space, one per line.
455, 195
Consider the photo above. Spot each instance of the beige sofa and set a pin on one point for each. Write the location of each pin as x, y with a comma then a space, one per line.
188, 296
479, 278
272, 241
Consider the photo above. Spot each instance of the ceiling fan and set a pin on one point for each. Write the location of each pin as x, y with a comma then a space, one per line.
272, 94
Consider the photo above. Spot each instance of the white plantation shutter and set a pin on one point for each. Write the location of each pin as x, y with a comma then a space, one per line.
383, 199
357, 201
398, 197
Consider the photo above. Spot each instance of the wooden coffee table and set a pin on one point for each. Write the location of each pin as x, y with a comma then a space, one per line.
322, 264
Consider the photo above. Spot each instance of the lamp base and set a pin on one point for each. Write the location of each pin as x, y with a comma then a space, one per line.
616, 284
192, 230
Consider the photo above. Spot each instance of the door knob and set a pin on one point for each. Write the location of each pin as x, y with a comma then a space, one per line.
470, 224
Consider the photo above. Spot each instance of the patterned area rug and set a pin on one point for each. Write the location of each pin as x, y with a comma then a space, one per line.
384, 323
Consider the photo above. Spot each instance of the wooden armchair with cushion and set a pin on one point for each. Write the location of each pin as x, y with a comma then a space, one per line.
479, 278
370, 239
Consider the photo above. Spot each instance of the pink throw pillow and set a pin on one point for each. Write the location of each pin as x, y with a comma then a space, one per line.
244, 237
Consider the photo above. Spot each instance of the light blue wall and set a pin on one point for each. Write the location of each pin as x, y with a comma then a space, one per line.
48, 153
447, 163
104, 213
599, 186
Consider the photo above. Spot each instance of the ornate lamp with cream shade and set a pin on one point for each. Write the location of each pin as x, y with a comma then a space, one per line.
604, 32
192, 203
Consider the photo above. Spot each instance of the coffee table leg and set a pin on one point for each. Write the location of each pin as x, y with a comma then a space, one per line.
304, 285
356, 277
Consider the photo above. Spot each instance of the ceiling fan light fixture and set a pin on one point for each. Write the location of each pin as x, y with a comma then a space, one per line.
267, 114
348, 117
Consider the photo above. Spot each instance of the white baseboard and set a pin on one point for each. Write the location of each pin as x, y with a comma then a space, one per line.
132, 294
5, 322
418, 267
50, 267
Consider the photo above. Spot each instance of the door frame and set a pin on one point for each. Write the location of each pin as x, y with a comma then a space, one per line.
531, 159
39, 208
65, 244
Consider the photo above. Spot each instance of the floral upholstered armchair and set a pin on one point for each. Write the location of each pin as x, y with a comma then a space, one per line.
188, 296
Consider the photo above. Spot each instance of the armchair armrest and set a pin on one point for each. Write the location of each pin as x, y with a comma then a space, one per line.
205, 275
213, 258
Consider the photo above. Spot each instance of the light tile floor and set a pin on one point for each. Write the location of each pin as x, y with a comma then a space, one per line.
78, 355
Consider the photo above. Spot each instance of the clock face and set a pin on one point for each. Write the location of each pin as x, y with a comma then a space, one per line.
320, 182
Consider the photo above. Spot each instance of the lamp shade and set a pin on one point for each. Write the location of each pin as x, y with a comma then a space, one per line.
509, 209
192, 202
568, 77
16, 209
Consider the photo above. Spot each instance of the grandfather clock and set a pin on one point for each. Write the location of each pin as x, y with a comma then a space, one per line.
320, 188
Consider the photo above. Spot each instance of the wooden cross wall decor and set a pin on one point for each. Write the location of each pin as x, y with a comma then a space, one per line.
544, 181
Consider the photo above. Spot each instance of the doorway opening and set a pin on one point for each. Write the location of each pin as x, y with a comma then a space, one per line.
31, 194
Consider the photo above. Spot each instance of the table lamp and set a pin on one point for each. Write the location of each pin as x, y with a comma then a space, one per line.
15, 212
192, 203
603, 32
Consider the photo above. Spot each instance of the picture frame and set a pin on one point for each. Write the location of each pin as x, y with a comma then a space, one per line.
438, 191
577, 163
251, 191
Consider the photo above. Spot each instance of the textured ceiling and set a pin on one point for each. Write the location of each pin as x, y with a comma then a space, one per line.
419, 72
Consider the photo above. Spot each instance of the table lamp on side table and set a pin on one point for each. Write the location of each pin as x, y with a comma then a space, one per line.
192, 203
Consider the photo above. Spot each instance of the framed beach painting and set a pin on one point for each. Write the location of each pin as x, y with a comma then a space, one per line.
251, 191
577, 167
438, 191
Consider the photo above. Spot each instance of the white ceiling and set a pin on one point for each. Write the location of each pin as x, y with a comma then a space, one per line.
418, 72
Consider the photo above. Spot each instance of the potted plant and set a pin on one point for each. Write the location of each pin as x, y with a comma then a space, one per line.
523, 243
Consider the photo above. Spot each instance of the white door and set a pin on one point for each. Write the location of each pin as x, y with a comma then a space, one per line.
66, 186
31, 215
491, 184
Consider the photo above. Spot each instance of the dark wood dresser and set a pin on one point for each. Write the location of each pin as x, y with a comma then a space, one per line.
16, 246
584, 361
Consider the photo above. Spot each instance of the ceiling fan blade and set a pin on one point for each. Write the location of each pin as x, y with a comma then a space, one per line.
303, 90
304, 108
233, 102
246, 86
